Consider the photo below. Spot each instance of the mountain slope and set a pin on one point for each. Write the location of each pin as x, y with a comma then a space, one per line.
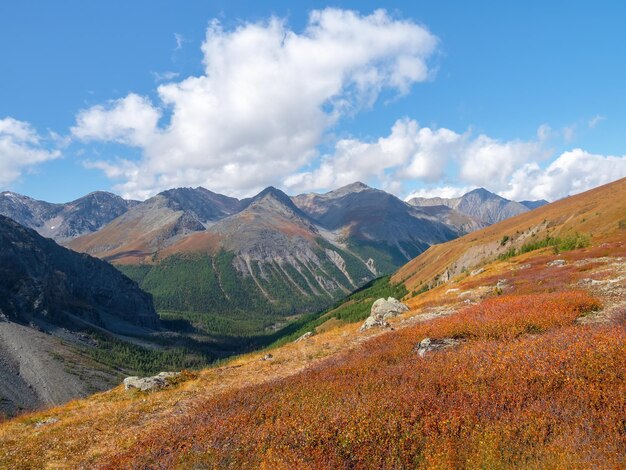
156, 223
269, 258
599, 212
45, 288
63, 222
480, 204
41, 279
375, 224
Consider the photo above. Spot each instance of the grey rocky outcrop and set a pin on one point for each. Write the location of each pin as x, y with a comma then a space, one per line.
557, 263
430, 344
381, 311
148, 384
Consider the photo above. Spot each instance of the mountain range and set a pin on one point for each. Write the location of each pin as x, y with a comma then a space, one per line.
63, 222
264, 257
197, 251
481, 205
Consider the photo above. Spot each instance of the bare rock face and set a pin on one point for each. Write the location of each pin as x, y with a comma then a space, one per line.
479, 204
382, 310
429, 344
41, 279
149, 384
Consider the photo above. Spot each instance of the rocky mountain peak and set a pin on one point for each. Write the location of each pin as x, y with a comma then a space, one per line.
63, 222
205, 205
352, 188
482, 193
534, 204
272, 194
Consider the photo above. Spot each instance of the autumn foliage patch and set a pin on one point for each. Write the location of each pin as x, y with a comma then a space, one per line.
511, 316
502, 399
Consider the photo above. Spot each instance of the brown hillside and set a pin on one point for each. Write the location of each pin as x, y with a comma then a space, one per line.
600, 212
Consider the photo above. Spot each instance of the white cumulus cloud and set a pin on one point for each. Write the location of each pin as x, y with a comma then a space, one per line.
490, 162
448, 164
409, 152
572, 172
266, 99
21, 148
447, 192
131, 120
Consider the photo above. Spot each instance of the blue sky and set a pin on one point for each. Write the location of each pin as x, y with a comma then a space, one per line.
524, 98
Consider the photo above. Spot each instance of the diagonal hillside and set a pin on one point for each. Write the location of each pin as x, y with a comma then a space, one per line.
50, 298
600, 212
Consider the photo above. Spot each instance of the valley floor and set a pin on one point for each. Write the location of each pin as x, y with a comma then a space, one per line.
536, 378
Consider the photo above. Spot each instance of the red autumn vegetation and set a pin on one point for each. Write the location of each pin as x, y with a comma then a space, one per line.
510, 316
501, 399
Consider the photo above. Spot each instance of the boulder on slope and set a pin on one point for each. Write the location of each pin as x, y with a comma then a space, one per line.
148, 384
381, 311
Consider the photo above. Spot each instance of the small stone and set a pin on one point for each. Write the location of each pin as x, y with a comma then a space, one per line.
428, 344
306, 335
375, 321
557, 263
268, 357
46, 422
148, 384
476, 272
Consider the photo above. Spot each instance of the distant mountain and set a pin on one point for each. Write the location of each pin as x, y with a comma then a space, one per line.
270, 254
45, 288
157, 222
370, 220
62, 222
462, 223
534, 204
479, 204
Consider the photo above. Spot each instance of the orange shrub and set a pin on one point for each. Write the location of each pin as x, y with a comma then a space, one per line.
552, 399
512, 315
